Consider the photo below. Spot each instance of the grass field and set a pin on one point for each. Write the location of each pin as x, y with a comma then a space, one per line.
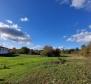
26, 69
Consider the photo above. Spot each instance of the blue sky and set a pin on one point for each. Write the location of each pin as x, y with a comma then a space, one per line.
35, 23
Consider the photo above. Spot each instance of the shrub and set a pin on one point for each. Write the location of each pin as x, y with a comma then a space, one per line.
24, 50
62, 60
34, 52
86, 50
50, 52
3, 66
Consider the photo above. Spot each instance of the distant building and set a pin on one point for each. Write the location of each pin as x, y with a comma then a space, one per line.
4, 50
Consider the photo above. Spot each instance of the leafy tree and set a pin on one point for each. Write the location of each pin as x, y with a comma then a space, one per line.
57, 52
86, 50
13, 50
34, 52
24, 50
50, 52
83, 46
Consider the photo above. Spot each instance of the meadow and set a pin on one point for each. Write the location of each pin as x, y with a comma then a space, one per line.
32, 69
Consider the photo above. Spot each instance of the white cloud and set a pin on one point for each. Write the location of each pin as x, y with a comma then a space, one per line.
64, 37
89, 26
37, 47
64, 1
78, 4
3, 25
13, 32
9, 21
61, 47
24, 19
82, 37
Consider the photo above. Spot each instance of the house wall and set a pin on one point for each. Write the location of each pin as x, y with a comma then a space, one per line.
4, 51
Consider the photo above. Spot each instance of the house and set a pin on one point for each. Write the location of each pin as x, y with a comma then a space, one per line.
4, 50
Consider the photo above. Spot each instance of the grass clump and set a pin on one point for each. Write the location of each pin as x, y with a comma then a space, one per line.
62, 60
4, 66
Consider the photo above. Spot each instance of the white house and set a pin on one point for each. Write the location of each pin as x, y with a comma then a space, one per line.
4, 50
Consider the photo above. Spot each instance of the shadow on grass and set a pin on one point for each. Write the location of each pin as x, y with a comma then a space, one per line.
2, 79
64, 56
9, 55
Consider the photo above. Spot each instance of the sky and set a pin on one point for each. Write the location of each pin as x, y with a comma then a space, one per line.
36, 23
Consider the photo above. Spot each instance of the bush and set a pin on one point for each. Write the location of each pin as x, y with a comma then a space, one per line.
62, 60
34, 52
50, 52
24, 50
86, 50
4, 66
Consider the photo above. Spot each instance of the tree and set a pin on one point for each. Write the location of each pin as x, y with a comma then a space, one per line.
83, 46
24, 50
34, 52
50, 52
13, 50
86, 50
47, 51
57, 52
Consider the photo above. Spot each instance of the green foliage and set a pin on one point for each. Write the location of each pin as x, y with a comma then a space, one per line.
69, 73
86, 50
28, 69
57, 52
62, 60
50, 52
34, 52
71, 51
24, 50
3, 66
13, 50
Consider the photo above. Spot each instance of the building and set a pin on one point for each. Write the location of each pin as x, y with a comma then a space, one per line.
4, 50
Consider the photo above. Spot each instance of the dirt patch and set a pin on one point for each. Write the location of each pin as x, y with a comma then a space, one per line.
55, 62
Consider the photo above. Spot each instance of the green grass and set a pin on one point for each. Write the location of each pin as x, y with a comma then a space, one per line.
26, 69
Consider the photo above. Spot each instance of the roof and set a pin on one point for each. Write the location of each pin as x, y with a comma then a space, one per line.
3, 47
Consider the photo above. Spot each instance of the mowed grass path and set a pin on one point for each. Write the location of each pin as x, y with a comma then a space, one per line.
26, 69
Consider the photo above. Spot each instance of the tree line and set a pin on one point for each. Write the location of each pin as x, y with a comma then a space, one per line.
46, 51
49, 51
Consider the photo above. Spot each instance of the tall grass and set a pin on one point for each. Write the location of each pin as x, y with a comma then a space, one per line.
26, 69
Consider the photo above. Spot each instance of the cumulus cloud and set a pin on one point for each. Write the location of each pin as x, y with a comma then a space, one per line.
24, 19
13, 32
89, 26
63, 1
37, 47
3, 25
82, 37
78, 4
61, 47
9, 21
